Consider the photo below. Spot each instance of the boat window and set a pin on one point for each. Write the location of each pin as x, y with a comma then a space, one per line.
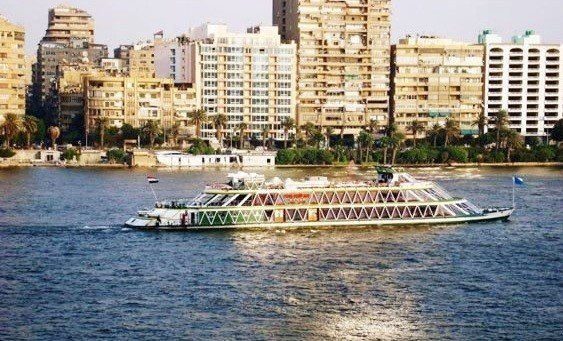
216, 201
204, 199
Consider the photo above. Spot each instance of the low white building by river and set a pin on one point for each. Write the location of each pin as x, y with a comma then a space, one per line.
237, 159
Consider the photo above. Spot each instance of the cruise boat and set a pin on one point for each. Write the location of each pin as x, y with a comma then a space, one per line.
247, 200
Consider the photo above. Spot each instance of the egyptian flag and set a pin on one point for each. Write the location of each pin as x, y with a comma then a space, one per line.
152, 179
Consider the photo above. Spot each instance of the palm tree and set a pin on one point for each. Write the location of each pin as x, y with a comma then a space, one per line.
395, 141
29, 125
501, 121
451, 130
220, 121
309, 129
287, 125
265, 135
480, 123
365, 140
12, 124
102, 126
392, 129
174, 133
372, 126
385, 145
316, 138
328, 132
152, 129
197, 118
513, 141
435, 132
415, 127
242, 126
342, 128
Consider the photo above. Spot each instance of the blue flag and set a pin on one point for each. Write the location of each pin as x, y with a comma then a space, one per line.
517, 181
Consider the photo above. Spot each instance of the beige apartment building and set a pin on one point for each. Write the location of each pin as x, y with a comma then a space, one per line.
12, 68
433, 79
69, 91
66, 23
140, 61
343, 60
135, 101
69, 38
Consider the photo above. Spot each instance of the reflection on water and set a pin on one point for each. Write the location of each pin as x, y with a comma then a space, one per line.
70, 270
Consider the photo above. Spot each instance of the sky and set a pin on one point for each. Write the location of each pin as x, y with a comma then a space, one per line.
128, 21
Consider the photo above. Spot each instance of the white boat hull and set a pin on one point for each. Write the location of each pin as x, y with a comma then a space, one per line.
148, 223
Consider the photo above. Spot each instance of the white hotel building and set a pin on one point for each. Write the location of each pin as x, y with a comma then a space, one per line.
250, 77
524, 77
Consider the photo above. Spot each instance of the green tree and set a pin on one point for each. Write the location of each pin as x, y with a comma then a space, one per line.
174, 133
242, 127
480, 123
500, 121
287, 125
116, 155
220, 121
435, 132
197, 118
365, 141
372, 127
316, 138
451, 131
309, 129
265, 135
513, 142
11, 126
151, 129
557, 131
396, 141
385, 142
328, 132
128, 132
102, 127
415, 127
30, 127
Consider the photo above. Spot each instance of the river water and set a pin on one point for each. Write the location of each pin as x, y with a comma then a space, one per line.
69, 270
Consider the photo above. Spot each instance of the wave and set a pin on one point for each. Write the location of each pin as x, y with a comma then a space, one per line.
97, 227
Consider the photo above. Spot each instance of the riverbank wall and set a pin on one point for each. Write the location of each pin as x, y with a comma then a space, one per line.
149, 166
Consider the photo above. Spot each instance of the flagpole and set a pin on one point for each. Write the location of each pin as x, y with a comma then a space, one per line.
153, 192
513, 185
152, 189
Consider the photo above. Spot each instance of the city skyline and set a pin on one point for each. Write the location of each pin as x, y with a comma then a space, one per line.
168, 15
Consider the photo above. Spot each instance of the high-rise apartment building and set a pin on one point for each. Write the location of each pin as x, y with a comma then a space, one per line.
137, 100
525, 78
12, 68
434, 79
67, 23
69, 38
343, 60
249, 77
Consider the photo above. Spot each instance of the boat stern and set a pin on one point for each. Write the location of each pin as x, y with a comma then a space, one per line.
141, 223
503, 213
